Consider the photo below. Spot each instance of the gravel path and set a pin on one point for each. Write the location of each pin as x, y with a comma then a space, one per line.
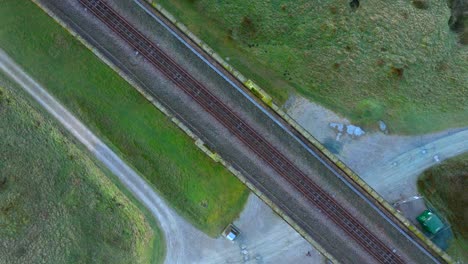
168, 220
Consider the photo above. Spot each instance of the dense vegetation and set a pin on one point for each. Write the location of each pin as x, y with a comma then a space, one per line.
458, 21
57, 205
392, 60
445, 186
201, 190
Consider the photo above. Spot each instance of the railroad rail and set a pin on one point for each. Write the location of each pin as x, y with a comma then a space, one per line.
267, 152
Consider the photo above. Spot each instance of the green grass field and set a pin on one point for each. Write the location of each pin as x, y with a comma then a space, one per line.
444, 186
201, 190
388, 60
57, 205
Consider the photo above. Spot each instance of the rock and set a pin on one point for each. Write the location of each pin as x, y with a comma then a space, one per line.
354, 131
351, 130
337, 126
245, 252
382, 126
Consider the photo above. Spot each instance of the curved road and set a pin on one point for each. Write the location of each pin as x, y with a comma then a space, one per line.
168, 219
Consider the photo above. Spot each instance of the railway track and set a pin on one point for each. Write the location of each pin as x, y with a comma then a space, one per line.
284, 167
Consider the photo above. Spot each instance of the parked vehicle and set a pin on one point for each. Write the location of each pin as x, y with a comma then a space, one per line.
231, 232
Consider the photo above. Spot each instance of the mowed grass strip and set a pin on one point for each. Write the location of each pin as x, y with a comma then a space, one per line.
200, 189
57, 205
388, 60
445, 186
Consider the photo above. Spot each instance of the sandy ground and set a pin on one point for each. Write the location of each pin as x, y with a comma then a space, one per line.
388, 163
265, 237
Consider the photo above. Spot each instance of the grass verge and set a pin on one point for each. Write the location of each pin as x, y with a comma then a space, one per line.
57, 205
388, 60
444, 186
201, 190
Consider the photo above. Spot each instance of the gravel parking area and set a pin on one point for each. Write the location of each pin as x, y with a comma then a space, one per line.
389, 163
219, 139
265, 238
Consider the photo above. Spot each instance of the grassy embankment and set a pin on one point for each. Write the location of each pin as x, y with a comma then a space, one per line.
201, 190
388, 60
57, 205
445, 186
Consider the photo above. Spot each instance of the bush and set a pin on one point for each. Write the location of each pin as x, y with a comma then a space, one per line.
421, 4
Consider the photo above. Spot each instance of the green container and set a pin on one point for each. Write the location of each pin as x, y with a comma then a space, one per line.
430, 221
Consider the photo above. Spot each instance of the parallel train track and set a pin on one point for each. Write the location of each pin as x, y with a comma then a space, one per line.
310, 190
